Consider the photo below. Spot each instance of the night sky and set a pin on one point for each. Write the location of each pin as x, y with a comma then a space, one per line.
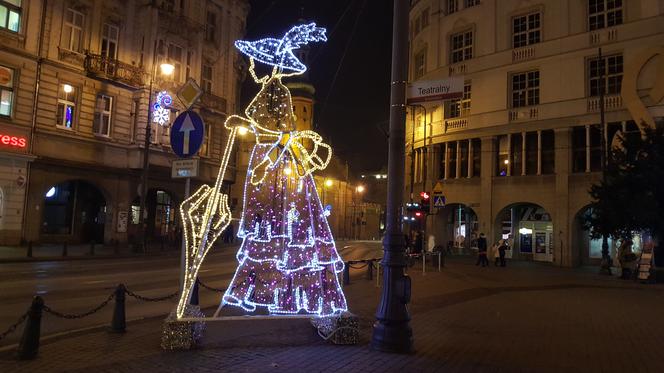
352, 110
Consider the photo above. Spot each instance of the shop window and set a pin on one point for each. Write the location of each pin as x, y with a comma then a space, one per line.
531, 153
477, 157
604, 13
503, 158
607, 71
10, 15
66, 106
579, 149
525, 89
103, 115
548, 152
516, 153
452, 160
461, 46
6, 90
72, 33
463, 166
526, 30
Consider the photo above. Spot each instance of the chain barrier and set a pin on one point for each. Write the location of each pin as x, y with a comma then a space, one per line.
210, 287
359, 267
147, 299
81, 315
13, 327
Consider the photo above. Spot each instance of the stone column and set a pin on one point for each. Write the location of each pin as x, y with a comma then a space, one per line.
485, 210
564, 255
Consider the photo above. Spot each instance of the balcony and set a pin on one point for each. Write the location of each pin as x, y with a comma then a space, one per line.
526, 113
106, 68
74, 58
455, 124
612, 102
603, 36
213, 103
523, 54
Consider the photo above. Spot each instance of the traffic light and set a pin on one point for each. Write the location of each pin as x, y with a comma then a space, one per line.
425, 201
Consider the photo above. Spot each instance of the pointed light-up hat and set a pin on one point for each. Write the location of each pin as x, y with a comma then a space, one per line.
279, 52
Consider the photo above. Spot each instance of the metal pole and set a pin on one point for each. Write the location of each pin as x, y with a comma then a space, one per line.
606, 260
187, 186
146, 155
392, 331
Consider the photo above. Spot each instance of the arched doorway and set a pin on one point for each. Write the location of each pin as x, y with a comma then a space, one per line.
456, 227
590, 250
74, 211
528, 229
161, 216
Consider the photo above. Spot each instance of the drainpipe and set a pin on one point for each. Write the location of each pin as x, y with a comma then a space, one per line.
33, 124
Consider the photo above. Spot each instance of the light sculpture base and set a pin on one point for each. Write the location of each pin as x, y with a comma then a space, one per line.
178, 334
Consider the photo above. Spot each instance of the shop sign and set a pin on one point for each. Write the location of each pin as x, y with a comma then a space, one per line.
435, 90
123, 217
12, 141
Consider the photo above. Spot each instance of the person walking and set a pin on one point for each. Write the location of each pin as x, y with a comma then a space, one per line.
626, 258
502, 249
481, 251
495, 253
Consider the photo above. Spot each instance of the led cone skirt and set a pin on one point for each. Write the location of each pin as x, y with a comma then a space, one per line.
287, 262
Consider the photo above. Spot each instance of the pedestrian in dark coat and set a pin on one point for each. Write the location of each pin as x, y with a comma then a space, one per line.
482, 251
502, 249
418, 243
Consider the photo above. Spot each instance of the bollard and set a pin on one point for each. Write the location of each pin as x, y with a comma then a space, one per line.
64, 248
440, 254
370, 263
347, 273
194, 294
29, 249
118, 324
92, 247
424, 264
29, 345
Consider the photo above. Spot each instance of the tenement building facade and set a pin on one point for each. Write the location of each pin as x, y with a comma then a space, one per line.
518, 151
77, 80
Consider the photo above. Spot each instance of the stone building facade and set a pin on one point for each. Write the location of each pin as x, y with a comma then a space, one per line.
75, 78
517, 153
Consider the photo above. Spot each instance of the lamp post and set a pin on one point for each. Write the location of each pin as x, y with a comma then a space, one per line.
166, 70
358, 191
392, 331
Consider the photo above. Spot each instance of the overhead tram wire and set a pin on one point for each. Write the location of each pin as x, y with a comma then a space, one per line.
333, 30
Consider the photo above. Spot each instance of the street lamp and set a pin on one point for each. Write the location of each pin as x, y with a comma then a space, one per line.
166, 70
358, 190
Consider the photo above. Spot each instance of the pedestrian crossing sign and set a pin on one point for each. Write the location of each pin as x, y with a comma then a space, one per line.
438, 201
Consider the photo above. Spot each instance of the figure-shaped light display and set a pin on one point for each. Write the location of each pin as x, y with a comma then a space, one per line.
287, 262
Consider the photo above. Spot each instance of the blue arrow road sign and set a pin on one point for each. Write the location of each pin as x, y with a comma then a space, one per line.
187, 134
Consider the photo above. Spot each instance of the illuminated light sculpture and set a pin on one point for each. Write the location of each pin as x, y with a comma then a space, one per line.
161, 113
288, 261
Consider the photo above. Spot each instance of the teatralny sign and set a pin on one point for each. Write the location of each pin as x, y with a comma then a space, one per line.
434, 90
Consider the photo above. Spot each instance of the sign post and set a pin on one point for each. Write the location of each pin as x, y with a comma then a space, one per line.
187, 135
437, 195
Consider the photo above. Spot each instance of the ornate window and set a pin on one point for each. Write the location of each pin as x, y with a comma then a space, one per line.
10, 15
607, 71
604, 13
526, 30
103, 115
72, 32
6, 90
461, 46
525, 89
66, 106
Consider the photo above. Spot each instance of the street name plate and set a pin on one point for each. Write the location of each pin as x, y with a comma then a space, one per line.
182, 168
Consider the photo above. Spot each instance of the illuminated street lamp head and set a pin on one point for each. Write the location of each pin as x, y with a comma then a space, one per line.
166, 68
67, 88
328, 182
360, 189
242, 130
506, 161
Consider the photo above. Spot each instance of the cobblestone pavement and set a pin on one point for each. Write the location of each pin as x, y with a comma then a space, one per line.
523, 318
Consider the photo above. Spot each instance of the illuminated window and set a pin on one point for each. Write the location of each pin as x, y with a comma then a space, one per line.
525, 89
6, 90
72, 33
526, 30
103, 114
66, 106
10, 15
461, 46
604, 13
206, 78
610, 68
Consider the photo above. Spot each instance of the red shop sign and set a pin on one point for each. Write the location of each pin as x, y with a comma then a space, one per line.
12, 141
